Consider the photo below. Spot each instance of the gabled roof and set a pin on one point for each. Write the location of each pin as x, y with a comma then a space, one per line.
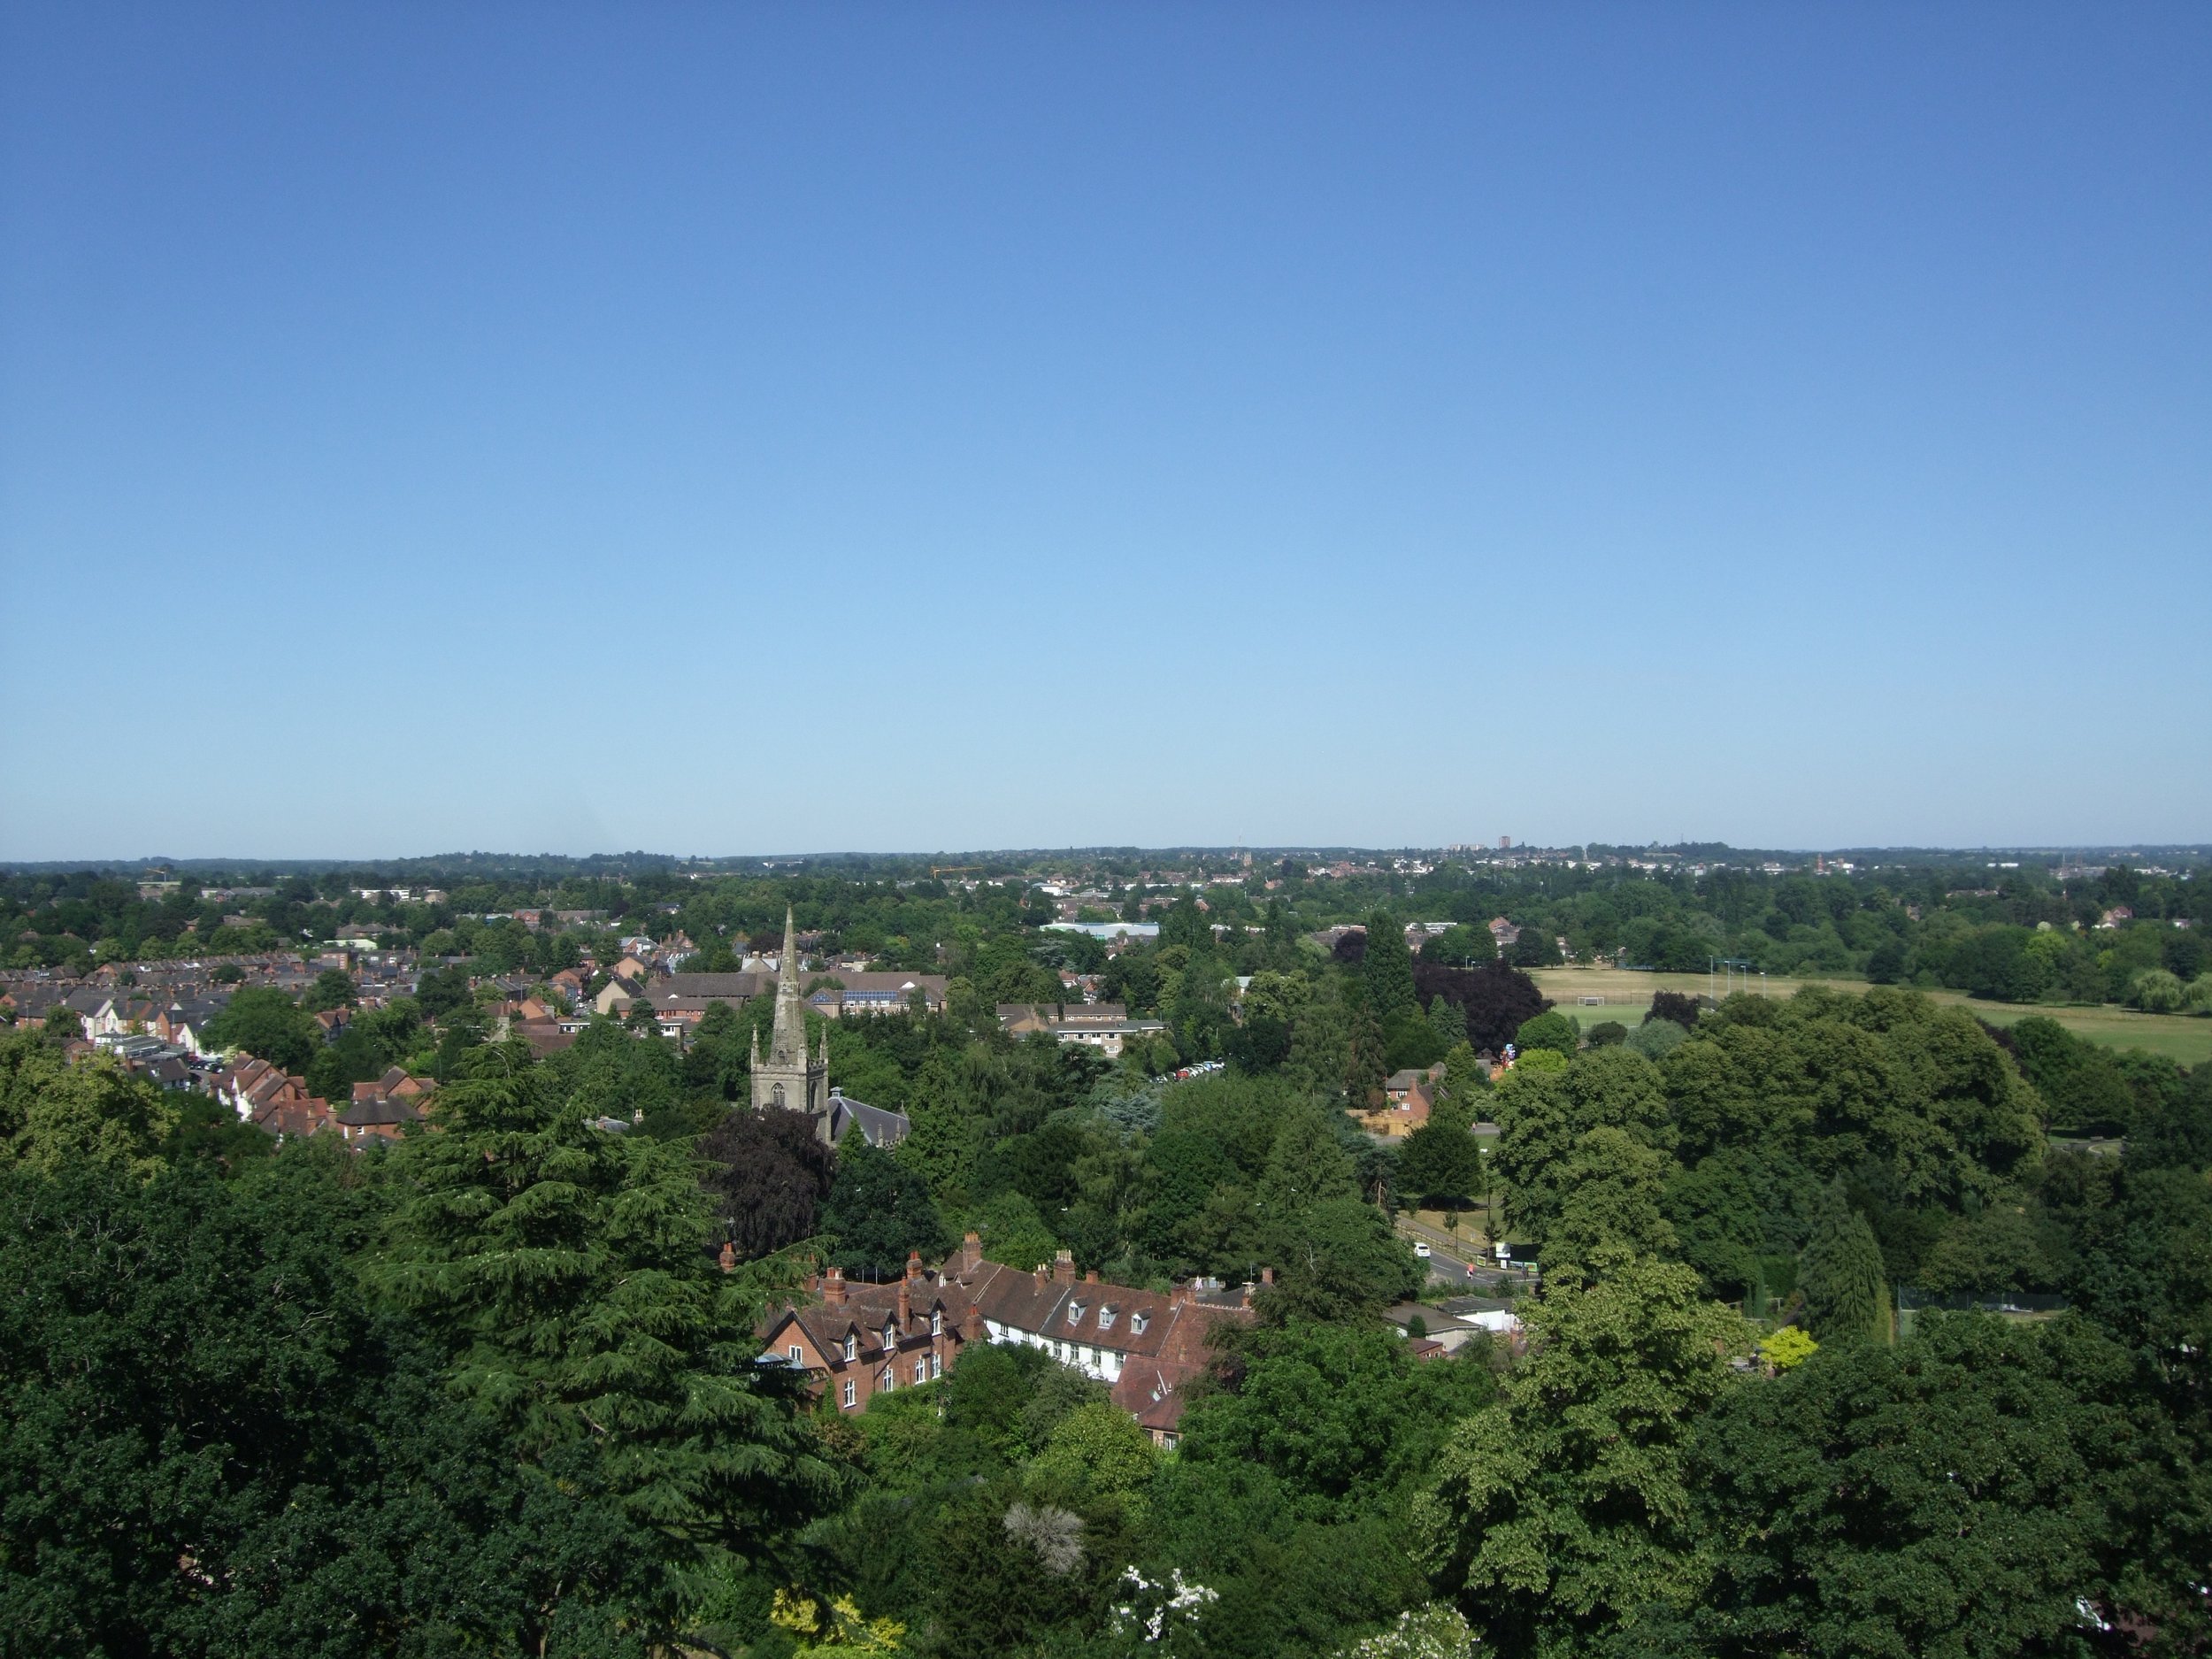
880, 1126
715, 986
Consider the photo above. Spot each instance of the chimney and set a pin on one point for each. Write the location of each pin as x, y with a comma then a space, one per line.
971, 1252
1042, 1275
1091, 1278
971, 1327
834, 1287
1064, 1267
913, 1264
1179, 1296
1267, 1276
811, 1282
729, 1256
906, 1309
1246, 1299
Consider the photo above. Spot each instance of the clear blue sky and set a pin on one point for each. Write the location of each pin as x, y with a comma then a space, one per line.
712, 428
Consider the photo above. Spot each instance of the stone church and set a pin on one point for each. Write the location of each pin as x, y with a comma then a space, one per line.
789, 1076
792, 1077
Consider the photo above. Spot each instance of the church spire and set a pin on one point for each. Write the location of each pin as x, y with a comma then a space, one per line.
786, 1044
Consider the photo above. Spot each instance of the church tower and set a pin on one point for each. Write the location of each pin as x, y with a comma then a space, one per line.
789, 1076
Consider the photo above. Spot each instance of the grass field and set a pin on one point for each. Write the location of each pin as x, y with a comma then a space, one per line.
2180, 1037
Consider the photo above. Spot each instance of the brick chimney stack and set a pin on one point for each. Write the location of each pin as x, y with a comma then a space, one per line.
1091, 1276
913, 1264
1267, 1276
971, 1327
834, 1287
1064, 1267
906, 1307
729, 1256
971, 1253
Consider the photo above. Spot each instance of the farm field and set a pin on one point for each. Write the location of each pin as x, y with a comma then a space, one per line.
2180, 1037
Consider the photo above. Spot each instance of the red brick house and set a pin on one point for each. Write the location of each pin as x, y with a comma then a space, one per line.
379, 1110
273, 1101
861, 1340
865, 1340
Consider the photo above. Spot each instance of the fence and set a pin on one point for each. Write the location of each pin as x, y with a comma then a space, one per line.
1911, 1301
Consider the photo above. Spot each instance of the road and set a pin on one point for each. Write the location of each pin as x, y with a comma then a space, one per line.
1449, 1258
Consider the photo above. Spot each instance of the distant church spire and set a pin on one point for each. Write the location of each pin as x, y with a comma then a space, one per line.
786, 1044
789, 1075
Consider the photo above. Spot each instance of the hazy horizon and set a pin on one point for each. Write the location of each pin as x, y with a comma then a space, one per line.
1102, 850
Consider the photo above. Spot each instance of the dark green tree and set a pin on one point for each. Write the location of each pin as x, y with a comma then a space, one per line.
569, 1272
1440, 1162
1549, 1030
1338, 1414
1565, 1508
1842, 1274
879, 1211
265, 1023
1939, 1497
1336, 1261
1388, 969
214, 1444
334, 988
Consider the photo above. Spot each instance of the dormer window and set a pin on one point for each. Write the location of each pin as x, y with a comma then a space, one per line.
1075, 1313
1138, 1321
1106, 1316
936, 1321
890, 1334
852, 1345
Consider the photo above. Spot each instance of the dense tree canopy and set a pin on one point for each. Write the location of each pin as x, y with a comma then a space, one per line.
489, 1389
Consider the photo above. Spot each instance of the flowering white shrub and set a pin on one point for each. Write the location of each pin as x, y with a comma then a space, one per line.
1161, 1612
1434, 1632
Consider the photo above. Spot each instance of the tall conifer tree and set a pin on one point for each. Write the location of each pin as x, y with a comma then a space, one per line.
1389, 968
1841, 1273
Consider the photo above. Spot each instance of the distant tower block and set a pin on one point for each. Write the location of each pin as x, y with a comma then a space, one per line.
1505, 843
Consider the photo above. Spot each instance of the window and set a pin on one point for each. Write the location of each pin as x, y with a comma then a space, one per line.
890, 1334
776, 1095
1075, 1313
852, 1345
1106, 1316
798, 1354
936, 1366
887, 1382
936, 1321
1136, 1322
852, 1391
921, 1370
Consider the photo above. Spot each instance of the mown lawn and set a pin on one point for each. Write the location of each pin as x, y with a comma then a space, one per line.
2182, 1038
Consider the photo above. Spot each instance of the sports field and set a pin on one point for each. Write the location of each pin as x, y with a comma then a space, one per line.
1627, 994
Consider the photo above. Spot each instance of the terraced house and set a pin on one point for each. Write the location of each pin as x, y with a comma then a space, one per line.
861, 1340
